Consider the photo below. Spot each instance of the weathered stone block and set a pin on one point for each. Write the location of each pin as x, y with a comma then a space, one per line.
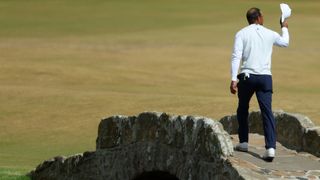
255, 122
311, 140
230, 124
290, 129
114, 131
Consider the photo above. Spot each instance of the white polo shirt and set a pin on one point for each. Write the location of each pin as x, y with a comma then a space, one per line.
253, 45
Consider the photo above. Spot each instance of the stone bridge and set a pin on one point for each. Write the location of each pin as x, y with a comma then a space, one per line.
155, 145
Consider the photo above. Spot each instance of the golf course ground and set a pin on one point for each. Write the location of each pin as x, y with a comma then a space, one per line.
64, 65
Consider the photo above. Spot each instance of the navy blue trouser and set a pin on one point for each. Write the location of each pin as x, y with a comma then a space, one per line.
262, 86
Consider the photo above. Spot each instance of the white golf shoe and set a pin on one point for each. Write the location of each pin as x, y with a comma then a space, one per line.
269, 155
242, 147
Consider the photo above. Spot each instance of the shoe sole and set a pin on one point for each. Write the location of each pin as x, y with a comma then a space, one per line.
268, 159
241, 149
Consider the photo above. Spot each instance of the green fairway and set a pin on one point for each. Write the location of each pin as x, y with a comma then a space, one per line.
67, 64
13, 174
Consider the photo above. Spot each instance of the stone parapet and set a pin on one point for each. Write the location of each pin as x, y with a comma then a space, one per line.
186, 147
200, 135
294, 131
154, 144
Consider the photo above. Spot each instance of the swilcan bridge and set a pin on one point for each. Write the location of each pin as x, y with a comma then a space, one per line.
156, 145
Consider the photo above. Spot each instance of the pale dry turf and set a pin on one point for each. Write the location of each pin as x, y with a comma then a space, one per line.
66, 64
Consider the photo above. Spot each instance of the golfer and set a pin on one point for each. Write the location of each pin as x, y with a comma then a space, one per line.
253, 48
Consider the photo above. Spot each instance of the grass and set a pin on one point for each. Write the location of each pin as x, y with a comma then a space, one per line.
66, 64
13, 174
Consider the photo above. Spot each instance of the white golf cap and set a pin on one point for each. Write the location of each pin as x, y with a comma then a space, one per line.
285, 10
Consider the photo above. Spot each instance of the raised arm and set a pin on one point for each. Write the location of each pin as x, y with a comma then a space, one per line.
283, 40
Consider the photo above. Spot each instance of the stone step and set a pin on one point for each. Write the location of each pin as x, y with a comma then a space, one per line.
287, 163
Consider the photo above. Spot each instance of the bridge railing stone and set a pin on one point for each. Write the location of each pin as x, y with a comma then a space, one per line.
188, 147
294, 131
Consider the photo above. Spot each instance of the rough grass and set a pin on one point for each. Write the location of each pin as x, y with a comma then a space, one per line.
66, 64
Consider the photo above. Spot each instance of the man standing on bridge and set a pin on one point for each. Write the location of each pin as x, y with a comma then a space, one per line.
253, 45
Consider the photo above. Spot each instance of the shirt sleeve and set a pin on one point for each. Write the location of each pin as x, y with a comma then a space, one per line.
236, 56
282, 41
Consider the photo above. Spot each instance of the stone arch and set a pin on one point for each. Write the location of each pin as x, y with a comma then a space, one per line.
186, 147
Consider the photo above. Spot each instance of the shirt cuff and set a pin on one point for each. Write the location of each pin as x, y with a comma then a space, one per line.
284, 29
234, 78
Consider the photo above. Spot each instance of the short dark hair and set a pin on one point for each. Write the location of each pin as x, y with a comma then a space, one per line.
253, 14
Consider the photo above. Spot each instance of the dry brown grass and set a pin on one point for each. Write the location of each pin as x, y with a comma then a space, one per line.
56, 87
